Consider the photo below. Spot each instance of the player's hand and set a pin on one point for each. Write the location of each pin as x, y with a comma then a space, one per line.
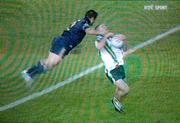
110, 34
121, 37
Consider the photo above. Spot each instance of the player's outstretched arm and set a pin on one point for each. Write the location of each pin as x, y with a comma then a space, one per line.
92, 31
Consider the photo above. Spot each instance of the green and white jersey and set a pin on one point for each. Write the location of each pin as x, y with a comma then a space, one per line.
110, 55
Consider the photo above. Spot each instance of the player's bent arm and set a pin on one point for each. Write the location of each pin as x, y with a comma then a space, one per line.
122, 37
92, 31
100, 45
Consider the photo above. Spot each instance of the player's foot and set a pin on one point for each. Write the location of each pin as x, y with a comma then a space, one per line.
27, 78
117, 105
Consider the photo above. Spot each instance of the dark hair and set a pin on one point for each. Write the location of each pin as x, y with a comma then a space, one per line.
91, 13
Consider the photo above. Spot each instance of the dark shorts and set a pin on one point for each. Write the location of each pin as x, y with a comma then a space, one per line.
116, 74
58, 46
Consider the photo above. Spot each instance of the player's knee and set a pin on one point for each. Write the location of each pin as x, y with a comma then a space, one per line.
52, 60
48, 64
51, 63
121, 84
126, 90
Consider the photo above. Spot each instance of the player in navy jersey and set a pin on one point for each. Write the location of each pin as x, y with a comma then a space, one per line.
62, 45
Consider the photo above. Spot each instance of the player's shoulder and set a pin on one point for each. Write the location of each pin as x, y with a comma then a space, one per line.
82, 22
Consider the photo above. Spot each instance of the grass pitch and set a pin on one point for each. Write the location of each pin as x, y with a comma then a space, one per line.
26, 31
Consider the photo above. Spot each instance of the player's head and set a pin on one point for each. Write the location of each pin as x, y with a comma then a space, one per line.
102, 28
92, 15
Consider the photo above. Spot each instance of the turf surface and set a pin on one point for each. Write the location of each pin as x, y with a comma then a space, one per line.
26, 31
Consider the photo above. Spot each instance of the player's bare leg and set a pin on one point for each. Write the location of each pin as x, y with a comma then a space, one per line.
121, 90
118, 94
42, 66
52, 60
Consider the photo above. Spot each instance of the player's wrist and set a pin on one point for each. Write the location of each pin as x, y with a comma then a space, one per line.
110, 34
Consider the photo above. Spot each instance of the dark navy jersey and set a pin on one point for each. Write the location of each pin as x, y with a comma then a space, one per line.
76, 32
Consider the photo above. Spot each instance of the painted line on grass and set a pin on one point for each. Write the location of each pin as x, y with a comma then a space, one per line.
83, 73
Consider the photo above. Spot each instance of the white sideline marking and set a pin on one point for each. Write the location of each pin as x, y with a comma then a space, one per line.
83, 73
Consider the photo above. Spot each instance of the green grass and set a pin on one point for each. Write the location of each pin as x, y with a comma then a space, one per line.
26, 31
